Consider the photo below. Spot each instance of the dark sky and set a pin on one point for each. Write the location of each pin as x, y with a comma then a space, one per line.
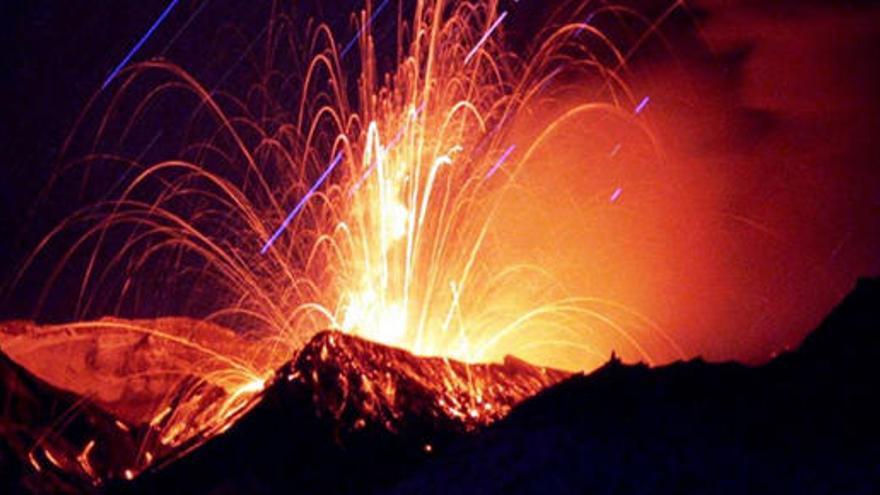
786, 107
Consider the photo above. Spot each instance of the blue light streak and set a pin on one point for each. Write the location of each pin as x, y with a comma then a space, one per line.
642, 105
485, 37
616, 195
140, 43
361, 30
500, 162
299, 206
587, 21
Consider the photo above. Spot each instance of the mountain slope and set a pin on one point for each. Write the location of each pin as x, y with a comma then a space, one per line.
806, 422
350, 416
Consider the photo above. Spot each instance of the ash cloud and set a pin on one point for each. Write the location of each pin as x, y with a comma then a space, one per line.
763, 211
795, 140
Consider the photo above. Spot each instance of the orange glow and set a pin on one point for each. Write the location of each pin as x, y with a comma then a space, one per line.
416, 239
472, 217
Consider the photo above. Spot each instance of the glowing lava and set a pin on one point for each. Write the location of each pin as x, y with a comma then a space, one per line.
377, 218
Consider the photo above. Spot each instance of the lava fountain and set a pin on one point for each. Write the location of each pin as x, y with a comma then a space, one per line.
364, 204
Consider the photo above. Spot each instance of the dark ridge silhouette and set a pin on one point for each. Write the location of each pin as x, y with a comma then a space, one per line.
354, 392
805, 422
348, 416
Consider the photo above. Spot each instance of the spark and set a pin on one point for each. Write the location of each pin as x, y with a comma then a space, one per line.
485, 37
140, 42
83, 458
361, 30
642, 105
301, 203
34, 462
252, 387
51, 457
159, 417
500, 162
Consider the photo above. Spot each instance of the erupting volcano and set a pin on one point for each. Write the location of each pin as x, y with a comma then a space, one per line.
364, 207
392, 227
139, 411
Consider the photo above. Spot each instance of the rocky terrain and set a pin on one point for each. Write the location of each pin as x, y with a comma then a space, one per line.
350, 416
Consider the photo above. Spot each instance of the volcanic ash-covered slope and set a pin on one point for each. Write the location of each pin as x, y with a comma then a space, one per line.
806, 422
361, 383
84, 403
102, 402
352, 416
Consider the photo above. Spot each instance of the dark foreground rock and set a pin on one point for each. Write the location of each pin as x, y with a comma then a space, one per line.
807, 422
82, 417
333, 422
351, 416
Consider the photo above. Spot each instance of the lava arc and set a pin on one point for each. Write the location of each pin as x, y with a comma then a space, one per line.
367, 205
